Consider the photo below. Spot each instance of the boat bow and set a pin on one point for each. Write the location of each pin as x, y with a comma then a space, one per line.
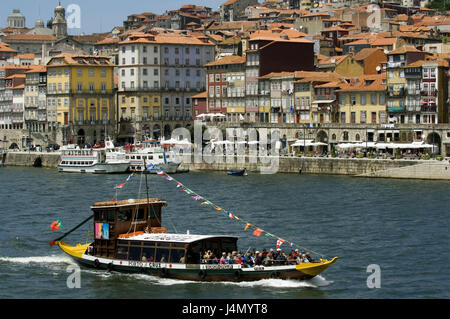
315, 268
74, 251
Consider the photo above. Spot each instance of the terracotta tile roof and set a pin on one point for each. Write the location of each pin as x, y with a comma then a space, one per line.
34, 37
365, 53
108, 41
277, 74
314, 76
5, 48
167, 38
202, 95
26, 56
404, 49
268, 35
37, 69
365, 83
231, 59
83, 59
338, 59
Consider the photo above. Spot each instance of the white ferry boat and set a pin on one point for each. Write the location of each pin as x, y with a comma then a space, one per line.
92, 160
151, 152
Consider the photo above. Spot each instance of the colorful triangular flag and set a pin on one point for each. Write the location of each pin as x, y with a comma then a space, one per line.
279, 242
247, 226
258, 232
119, 186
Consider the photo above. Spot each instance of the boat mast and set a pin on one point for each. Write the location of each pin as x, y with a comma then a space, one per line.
146, 180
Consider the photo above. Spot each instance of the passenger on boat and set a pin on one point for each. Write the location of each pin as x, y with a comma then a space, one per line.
214, 259
144, 258
205, 259
222, 260
291, 259
281, 258
268, 261
229, 260
182, 260
238, 260
248, 261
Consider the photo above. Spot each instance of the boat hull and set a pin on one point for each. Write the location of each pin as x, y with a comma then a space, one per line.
95, 169
199, 272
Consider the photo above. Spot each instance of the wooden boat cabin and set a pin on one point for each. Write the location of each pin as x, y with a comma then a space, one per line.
124, 218
132, 230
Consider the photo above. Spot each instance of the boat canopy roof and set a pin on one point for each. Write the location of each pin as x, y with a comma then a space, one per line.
130, 202
177, 238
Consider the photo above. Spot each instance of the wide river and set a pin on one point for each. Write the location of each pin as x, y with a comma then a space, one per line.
400, 226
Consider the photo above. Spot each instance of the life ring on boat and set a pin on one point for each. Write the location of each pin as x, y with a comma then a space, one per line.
275, 275
110, 266
164, 272
237, 274
97, 263
202, 274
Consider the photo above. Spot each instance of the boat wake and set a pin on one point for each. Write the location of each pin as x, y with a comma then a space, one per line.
44, 260
316, 282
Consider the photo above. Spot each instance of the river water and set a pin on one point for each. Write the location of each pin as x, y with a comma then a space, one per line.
400, 225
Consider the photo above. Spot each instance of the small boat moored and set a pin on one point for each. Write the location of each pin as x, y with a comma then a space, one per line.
238, 173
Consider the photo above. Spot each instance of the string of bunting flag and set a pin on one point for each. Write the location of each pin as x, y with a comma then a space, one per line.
257, 231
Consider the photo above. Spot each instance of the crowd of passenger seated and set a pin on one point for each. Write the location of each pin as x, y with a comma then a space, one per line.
257, 258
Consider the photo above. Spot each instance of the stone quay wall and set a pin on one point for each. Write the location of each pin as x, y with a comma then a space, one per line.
383, 168
29, 159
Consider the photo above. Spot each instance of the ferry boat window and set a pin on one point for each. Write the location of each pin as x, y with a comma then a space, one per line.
140, 214
104, 215
178, 245
122, 253
150, 157
149, 253
163, 244
135, 253
138, 157
162, 255
124, 216
175, 255
154, 212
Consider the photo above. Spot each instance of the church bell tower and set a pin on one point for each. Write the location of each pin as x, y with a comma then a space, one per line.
59, 24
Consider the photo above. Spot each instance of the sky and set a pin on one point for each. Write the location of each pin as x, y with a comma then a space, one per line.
96, 15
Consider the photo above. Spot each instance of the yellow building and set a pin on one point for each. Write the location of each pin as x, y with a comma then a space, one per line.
344, 65
363, 100
80, 88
